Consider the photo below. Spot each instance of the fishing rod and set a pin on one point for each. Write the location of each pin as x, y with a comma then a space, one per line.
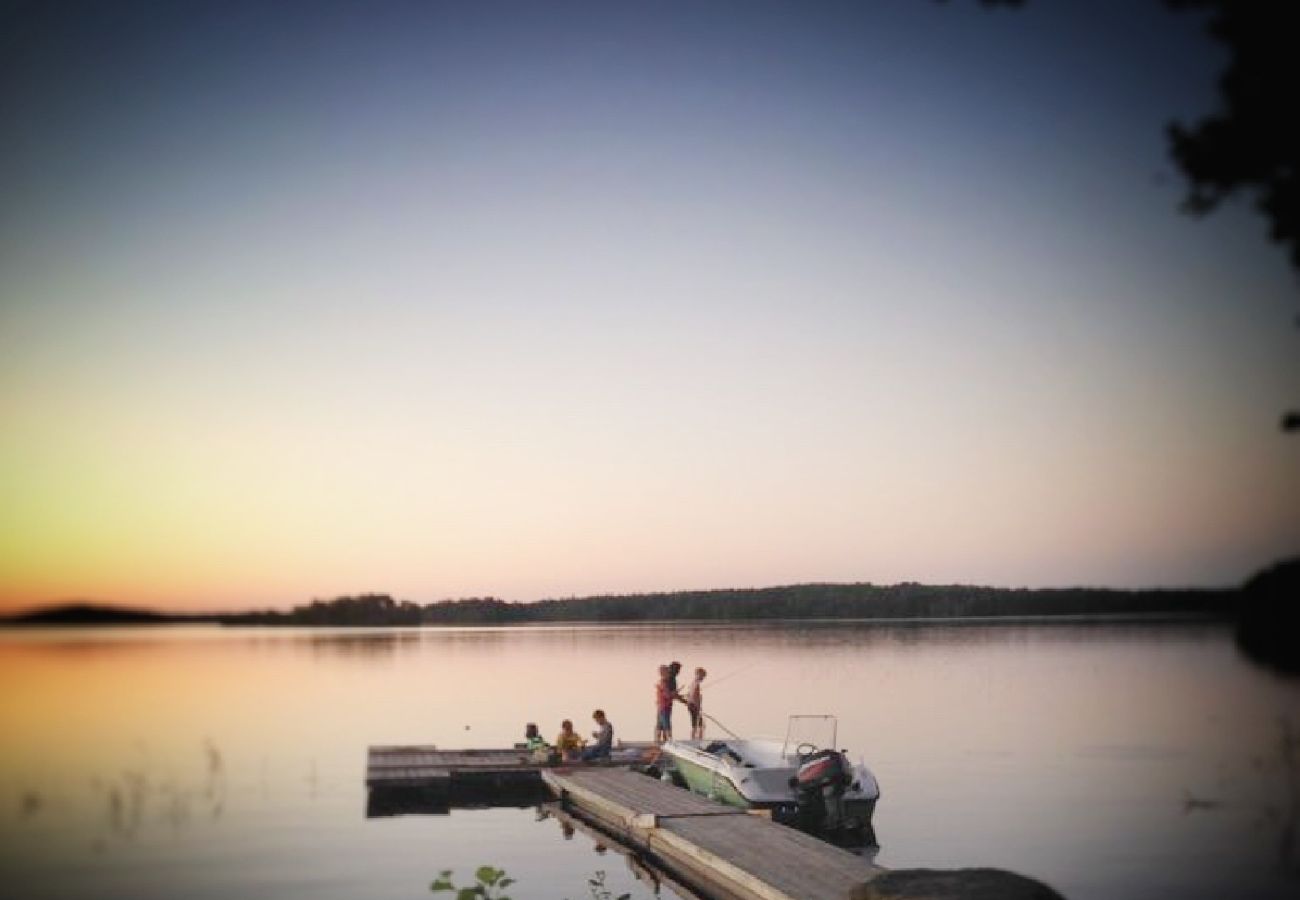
713, 684
732, 674
720, 725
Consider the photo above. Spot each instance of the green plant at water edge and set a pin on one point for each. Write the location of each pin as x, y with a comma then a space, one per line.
489, 882
596, 884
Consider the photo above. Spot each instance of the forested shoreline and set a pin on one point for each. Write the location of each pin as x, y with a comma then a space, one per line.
810, 601
806, 601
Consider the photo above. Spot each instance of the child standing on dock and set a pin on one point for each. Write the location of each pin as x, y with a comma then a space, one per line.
664, 695
695, 703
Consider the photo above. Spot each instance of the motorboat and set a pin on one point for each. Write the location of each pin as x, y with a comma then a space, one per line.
803, 781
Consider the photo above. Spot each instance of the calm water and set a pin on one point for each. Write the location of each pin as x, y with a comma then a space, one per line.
213, 763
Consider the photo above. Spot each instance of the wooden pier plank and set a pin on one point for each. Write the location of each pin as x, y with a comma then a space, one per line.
407, 775
388, 766
736, 854
628, 794
784, 861
403, 760
417, 765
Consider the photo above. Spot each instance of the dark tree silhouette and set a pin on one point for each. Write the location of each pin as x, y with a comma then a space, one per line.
1268, 622
1251, 144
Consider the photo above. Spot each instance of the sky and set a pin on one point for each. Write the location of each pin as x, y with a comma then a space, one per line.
541, 300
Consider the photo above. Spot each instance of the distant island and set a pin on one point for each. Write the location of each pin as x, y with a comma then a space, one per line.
92, 614
805, 601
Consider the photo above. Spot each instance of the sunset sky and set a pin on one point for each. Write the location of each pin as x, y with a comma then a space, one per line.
535, 300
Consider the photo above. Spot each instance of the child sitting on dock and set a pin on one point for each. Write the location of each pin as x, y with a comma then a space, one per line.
535, 744
604, 735
568, 743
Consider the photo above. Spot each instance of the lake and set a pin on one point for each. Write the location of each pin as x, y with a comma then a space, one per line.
1109, 759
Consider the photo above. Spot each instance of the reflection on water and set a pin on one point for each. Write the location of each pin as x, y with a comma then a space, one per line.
144, 796
29, 804
1287, 811
1108, 759
361, 646
656, 881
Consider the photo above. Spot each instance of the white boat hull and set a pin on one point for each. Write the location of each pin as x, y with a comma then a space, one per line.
757, 774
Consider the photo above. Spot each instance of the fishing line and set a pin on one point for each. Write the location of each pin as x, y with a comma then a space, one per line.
720, 725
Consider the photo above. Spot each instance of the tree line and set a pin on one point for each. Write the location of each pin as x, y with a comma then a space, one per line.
804, 601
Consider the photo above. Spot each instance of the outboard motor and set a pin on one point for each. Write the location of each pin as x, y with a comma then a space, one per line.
820, 783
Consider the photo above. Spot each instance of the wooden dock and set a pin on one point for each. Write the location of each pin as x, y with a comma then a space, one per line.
429, 767
427, 781
423, 780
713, 850
719, 850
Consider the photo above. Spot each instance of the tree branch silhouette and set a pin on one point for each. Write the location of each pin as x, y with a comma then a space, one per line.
1251, 145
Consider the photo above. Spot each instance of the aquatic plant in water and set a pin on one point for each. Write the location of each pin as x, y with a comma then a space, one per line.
596, 883
489, 882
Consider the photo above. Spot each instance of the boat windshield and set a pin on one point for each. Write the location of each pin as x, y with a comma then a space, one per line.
821, 732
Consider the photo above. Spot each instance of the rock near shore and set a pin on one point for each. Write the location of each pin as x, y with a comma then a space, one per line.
953, 884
